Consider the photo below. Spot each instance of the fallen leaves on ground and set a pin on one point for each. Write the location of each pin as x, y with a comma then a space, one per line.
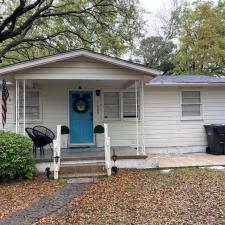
184, 196
18, 195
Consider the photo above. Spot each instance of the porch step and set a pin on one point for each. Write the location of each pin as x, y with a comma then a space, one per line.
82, 170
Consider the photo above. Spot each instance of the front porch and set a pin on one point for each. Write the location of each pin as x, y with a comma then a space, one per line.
119, 103
83, 154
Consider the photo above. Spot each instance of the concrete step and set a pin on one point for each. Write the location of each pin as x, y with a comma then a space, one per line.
83, 175
82, 170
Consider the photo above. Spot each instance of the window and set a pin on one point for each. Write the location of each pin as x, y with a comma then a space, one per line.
129, 105
33, 111
119, 105
191, 104
112, 105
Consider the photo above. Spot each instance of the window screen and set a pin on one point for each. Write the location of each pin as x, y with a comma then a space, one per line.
129, 105
191, 103
32, 106
111, 105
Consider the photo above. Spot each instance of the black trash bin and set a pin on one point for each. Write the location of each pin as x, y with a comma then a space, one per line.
215, 138
219, 135
210, 138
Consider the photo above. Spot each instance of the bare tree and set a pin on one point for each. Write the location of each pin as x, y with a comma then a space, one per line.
165, 19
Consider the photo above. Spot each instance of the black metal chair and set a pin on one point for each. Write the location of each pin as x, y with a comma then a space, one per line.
44, 136
33, 138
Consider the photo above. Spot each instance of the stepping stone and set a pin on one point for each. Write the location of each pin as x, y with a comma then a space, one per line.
83, 180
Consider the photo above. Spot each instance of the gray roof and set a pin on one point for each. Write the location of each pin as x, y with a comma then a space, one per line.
185, 79
78, 53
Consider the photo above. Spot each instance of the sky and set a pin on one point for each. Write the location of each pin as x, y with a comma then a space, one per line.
154, 7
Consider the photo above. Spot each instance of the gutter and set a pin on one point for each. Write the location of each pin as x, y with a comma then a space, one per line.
184, 84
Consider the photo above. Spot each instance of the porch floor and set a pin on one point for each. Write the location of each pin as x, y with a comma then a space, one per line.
89, 153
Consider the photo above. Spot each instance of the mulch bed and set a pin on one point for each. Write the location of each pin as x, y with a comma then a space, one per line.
184, 196
18, 195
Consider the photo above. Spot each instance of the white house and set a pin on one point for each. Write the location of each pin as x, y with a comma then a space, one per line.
154, 113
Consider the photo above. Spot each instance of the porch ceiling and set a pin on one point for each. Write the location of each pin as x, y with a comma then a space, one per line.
87, 76
84, 84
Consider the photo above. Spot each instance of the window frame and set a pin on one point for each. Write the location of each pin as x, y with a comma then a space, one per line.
30, 121
200, 117
121, 105
138, 110
103, 106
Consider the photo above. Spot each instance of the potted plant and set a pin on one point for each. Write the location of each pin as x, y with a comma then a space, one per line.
99, 136
64, 136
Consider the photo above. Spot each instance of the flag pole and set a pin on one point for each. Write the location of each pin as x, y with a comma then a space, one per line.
5, 95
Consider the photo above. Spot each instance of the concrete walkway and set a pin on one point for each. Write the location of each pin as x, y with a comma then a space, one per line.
50, 204
188, 160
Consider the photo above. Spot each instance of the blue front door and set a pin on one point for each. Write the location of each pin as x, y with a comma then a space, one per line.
81, 117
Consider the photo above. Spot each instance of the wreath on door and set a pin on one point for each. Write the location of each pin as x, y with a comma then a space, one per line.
81, 105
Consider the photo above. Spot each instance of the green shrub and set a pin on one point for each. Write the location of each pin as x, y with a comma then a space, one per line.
15, 157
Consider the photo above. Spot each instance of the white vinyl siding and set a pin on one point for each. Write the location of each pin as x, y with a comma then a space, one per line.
191, 104
33, 106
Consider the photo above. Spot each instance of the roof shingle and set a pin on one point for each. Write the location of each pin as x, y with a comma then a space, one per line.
182, 79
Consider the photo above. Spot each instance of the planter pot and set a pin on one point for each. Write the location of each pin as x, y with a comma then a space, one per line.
64, 140
100, 140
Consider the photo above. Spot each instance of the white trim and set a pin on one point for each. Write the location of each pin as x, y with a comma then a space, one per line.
185, 84
34, 121
16, 107
121, 100
143, 117
24, 107
103, 103
78, 53
136, 119
187, 118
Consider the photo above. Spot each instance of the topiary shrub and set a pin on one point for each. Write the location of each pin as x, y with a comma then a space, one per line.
65, 130
99, 129
15, 157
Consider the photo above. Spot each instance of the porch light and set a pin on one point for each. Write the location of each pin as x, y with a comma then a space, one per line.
98, 93
48, 172
56, 158
114, 158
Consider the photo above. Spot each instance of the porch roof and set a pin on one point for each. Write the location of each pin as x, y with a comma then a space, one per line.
75, 54
186, 80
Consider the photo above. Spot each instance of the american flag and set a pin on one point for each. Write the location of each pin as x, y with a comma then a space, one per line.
5, 95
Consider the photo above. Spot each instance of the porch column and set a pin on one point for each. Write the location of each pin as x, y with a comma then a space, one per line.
24, 107
136, 105
143, 117
16, 107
